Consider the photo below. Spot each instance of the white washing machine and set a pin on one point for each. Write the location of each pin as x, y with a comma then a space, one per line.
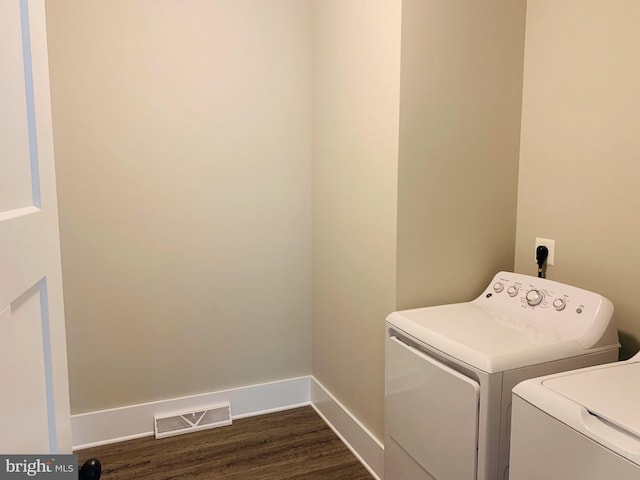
450, 370
578, 425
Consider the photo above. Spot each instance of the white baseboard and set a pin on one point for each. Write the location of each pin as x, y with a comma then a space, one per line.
366, 447
126, 423
135, 421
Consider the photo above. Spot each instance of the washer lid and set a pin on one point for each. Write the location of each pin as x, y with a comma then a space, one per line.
611, 393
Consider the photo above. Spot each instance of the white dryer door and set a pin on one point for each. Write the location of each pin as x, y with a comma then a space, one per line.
432, 412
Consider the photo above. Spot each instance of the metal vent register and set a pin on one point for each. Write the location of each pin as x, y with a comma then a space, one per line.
168, 425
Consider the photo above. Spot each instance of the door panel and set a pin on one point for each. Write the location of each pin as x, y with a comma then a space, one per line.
15, 167
28, 400
21, 252
432, 412
34, 411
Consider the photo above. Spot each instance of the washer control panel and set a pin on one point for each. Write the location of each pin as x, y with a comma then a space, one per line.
544, 306
534, 292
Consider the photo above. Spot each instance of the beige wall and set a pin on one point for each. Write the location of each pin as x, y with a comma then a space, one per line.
460, 103
580, 149
451, 157
355, 100
182, 134
185, 133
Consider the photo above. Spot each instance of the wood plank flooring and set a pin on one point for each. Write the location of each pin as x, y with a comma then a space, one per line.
294, 444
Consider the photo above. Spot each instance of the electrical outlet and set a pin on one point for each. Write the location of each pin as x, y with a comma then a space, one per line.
551, 246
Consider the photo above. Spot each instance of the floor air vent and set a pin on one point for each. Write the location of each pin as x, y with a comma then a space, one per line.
168, 425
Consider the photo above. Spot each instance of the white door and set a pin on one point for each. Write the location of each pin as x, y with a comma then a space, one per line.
431, 412
34, 404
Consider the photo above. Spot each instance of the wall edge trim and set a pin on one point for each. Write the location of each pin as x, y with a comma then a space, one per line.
362, 443
119, 424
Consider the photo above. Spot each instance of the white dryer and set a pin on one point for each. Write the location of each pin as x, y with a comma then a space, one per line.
578, 425
450, 370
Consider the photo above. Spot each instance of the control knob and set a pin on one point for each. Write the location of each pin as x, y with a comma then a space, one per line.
498, 287
559, 304
512, 291
534, 297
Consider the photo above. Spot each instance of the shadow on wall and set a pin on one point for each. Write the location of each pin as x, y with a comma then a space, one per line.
630, 345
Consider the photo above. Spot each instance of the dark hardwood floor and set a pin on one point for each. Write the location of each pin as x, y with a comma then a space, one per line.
294, 444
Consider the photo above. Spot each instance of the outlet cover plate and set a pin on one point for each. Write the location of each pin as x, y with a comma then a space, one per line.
551, 246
